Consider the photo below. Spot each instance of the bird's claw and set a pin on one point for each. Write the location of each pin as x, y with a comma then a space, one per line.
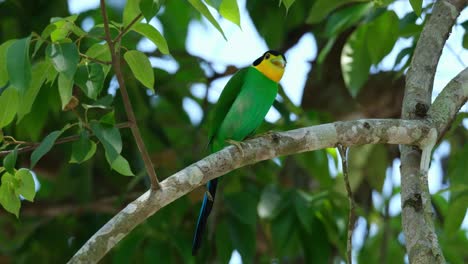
237, 144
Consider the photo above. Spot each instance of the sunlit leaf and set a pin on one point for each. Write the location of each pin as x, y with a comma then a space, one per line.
141, 67
9, 101
201, 7
131, 11
8, 198
152, 34
229, 10
101, 52
27, 187
19, 65
120, 165
417, 6
3, 62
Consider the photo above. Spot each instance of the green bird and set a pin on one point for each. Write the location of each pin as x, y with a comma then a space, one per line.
241, 108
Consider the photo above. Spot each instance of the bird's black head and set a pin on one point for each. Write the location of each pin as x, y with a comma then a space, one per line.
266, 55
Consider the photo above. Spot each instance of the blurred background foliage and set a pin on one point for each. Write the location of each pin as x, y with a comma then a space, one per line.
289, 210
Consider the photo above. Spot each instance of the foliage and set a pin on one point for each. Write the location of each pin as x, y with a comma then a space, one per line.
58, 101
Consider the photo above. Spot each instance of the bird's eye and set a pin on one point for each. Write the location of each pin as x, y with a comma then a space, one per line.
267, 56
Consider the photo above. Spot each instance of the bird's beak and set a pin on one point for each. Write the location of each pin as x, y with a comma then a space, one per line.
279, 61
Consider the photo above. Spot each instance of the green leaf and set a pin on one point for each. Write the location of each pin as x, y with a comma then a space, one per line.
282, 228
465, 40
8, 198
131, 10
39, 73
3, 62
345, 18
355, 60
27, 186
46, 145
90, 78
83, 149
201, 7
110, 139
108, 119
417, 6
322, 8
383, 30
149, 8
65, 86
304, 210
287, 4
9, 101
120, 165
152, 34
9, 161
141, 67
456, 213
65, 58
236, 204
268, 205
19, 64
100, 52
229, 10
63, 26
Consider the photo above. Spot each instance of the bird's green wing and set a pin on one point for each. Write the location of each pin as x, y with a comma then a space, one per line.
225, 101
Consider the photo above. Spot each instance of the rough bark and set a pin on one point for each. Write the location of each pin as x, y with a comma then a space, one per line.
421, 241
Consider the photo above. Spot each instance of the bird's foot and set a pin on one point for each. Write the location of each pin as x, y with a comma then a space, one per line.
237, 144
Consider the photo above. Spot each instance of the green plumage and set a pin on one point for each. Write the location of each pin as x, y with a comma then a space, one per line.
242, 106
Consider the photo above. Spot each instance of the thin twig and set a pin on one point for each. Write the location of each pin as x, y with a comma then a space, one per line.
127, 28
33, 145
352, 214
126, 100
95, 60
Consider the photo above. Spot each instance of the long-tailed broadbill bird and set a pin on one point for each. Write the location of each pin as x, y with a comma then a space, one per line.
241, 108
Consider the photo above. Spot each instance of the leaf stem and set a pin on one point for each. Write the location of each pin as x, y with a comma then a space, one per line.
126, 99
33, 145
127, 28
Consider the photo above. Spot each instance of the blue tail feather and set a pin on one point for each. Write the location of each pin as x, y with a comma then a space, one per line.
205, 211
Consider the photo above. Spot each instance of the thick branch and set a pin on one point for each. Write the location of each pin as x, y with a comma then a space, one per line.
126, 99
449, 101
351, 133
421, 241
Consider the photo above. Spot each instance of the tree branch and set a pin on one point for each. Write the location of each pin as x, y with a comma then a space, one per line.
421, 241
350, 133
115, 55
